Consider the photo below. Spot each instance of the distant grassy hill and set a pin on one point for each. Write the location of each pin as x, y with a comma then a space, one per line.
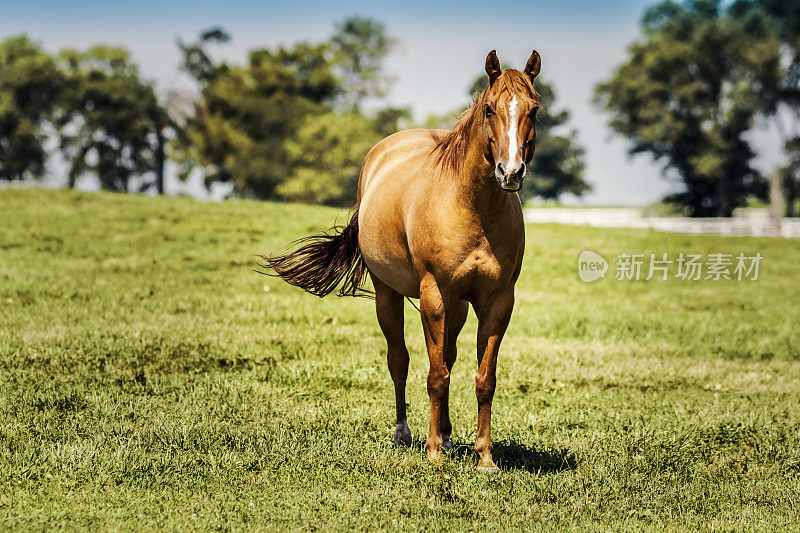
149, 378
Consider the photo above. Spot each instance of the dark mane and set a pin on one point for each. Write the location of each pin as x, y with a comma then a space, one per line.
451, 150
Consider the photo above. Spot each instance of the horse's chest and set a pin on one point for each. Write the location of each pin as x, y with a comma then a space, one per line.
473, 260
482, 266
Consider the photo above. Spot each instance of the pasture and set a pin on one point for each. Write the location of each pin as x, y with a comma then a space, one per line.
150, 379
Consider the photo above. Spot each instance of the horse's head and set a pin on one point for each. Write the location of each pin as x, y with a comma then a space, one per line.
510, 104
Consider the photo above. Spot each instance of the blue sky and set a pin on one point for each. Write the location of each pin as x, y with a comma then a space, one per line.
441, 47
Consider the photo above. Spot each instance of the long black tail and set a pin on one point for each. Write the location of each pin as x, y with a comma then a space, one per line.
323, 262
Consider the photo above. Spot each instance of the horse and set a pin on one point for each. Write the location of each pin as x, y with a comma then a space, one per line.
437, 218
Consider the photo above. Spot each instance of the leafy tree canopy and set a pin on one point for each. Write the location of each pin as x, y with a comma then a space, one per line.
688, 95
325, 158
359, 47
247, 113
107, 117
30, 83
780, 96
287, 124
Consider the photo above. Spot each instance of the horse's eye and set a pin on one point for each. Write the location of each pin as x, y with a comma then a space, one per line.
489, 111
533, 112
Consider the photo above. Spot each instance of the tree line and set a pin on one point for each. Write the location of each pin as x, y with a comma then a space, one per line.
289, 124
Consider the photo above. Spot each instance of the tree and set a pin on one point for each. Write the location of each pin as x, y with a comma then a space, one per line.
196, 61
558, 165
287, 125
30, 83
781, 99
359, 46
688, 95
326, 156
109, 119
246, 113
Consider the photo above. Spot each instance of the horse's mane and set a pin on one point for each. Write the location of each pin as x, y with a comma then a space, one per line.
451, 150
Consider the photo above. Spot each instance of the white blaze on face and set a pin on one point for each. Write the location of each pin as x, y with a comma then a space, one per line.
512, 136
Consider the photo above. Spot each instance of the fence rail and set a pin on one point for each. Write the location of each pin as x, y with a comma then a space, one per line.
633, 218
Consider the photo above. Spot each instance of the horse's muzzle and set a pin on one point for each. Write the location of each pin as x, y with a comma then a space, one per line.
511, 182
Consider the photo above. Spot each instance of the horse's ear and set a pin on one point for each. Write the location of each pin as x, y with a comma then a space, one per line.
492, 67
534, 65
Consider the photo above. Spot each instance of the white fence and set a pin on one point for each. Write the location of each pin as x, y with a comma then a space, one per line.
751, 226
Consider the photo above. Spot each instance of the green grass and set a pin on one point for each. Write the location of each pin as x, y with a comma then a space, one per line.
148, 379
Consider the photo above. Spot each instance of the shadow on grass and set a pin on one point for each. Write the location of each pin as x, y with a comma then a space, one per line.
511, 455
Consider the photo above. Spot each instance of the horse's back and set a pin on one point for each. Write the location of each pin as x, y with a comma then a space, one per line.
397, 158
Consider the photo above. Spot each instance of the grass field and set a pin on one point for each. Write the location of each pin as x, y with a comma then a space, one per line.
149, 379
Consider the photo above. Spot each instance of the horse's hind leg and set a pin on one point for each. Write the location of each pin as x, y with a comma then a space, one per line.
454, 324
389, 308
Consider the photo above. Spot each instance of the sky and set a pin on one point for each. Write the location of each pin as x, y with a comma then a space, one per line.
441, 47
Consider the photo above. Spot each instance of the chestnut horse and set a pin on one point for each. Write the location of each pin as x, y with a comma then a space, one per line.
437, 218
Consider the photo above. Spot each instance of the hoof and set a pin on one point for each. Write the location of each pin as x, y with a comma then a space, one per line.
402, 435
447, 444
488, 468
435, 456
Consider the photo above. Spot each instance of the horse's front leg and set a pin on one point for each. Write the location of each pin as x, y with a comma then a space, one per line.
494, 313
435, 310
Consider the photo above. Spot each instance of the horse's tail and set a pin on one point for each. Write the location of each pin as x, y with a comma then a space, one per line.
323, 262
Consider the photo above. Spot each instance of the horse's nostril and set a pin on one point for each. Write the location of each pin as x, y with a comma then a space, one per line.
520, 173
500, 168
